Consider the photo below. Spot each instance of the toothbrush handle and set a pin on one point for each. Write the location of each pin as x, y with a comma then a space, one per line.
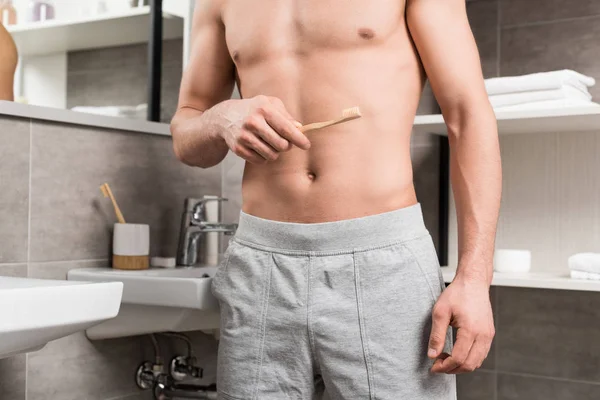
319, 125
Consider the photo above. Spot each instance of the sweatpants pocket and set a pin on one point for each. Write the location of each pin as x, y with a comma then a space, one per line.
424, 256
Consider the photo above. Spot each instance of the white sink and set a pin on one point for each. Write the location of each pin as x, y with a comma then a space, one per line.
157, 300
36, 311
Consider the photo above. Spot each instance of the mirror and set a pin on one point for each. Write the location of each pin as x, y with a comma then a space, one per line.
92, 55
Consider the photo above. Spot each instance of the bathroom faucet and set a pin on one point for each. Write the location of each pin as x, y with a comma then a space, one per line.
194, 226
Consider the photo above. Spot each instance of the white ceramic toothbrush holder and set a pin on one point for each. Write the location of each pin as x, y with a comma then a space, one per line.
510, 260
131, 246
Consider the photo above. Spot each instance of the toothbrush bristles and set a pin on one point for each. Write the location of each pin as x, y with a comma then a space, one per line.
351, 113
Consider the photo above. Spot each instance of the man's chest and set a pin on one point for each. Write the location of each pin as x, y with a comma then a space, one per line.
269, 27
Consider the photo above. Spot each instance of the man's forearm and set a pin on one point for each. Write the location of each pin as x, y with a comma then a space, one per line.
476, 175
196, 138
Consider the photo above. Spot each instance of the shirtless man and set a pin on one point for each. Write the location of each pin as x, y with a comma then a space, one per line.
8, 64
332, 282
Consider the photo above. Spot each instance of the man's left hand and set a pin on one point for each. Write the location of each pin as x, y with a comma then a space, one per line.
464, 305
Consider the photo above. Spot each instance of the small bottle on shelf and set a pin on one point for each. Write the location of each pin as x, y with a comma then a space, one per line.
8, 14
40, 10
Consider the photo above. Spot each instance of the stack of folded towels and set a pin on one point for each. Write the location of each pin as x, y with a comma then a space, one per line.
553, 89
585, 266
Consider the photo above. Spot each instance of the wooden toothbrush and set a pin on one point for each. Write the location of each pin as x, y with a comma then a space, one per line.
108, 193
347, 115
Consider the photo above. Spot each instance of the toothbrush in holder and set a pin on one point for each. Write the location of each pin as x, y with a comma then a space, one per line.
348, 114
108, 193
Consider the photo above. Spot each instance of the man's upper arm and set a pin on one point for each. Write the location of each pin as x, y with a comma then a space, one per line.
209, 76
443, 37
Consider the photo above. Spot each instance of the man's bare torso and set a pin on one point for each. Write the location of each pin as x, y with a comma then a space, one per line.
320, 57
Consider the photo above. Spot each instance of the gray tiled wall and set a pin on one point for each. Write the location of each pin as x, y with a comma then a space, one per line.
550, 205
51, 175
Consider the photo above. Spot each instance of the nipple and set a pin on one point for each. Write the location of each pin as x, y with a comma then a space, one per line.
366, 33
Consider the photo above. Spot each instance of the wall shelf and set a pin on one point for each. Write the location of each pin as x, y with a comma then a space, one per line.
105, 30
536, 280
565, 119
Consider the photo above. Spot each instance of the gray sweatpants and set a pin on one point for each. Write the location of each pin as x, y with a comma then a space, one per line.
341, 308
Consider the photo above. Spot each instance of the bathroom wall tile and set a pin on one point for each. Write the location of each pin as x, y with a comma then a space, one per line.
74, 368
58, 270
104, 87
73, 221
14, 196
13, 377
547, 333
119, 57
483, 17
573, 44
425, 161
108, 58
515, 387
479, 385
13, 270
517, 12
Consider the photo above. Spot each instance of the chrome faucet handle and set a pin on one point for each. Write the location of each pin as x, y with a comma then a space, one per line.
198, 206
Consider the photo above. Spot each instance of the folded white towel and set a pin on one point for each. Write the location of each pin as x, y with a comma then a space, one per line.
549, 104
564, 92
585, 275
585, 262
540, 81
136, 112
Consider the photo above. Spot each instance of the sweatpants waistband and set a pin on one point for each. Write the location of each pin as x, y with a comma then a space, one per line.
339, 236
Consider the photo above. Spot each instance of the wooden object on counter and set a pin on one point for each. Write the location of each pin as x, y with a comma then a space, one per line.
130, 262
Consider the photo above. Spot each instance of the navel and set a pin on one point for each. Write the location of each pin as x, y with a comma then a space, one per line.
311, 175
366, 33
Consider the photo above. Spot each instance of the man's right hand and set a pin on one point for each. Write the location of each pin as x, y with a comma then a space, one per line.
260, 128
